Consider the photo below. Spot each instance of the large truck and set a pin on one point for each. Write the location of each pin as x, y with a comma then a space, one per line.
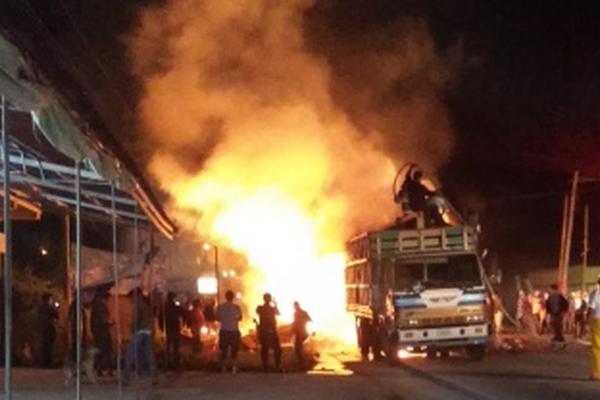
418, 290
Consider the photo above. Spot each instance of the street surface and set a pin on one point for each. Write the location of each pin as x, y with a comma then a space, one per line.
535, 375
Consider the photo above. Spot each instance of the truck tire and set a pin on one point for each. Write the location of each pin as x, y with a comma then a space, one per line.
476, 352
391, 347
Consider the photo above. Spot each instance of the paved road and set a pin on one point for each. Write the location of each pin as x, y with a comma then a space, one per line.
546, 375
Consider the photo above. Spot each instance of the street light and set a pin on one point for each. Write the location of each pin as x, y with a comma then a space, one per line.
207, 285
206, 247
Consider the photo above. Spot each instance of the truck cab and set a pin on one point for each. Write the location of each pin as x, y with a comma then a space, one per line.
418, 290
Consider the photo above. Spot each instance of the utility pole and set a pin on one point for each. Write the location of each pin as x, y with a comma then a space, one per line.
563, 235
586, 248
564, 271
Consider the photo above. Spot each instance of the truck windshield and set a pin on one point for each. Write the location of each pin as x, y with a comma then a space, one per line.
438, 272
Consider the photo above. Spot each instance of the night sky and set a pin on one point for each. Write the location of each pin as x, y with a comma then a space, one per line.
524, 107
524, 102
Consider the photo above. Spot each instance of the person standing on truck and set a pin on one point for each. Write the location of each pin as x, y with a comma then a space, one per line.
557, 305
421, 199
414, 189
594, 317
267, 332
300, 331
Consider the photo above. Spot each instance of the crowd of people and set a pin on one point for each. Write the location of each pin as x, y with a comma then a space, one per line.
552, 312
172, 318
541, 312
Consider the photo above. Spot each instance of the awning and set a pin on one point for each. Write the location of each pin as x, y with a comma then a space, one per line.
21, 208
27, 92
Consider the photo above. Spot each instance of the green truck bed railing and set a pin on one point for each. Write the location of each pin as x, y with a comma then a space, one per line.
412, 241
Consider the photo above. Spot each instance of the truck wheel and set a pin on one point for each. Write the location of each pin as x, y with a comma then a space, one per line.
388, 343
476, 352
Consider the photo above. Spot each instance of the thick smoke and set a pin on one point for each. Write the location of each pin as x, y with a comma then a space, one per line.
235, 102
279, 151
390, 80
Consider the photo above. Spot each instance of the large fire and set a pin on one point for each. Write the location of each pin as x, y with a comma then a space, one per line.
281, 241
256, 153
286, 223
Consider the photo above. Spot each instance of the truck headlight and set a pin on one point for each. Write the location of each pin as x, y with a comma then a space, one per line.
409, 322
475, 318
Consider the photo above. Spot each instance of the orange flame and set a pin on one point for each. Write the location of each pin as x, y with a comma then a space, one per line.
291, 234
250, 138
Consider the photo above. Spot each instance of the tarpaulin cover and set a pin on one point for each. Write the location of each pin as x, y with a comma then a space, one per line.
25, 92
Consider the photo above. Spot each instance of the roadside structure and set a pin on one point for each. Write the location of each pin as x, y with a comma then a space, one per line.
578, 277
56, 159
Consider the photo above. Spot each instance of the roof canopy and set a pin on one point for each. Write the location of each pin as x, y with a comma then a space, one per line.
47, 137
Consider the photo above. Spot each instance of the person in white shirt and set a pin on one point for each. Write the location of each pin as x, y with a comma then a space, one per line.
229, 315
594, 316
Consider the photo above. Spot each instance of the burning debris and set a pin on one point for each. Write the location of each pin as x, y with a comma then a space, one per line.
255, 151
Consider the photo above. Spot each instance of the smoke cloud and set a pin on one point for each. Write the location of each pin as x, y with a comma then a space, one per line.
232, 94
272, 147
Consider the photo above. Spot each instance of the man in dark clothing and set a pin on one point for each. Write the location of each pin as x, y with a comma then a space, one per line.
141, 345
101, 325
301, 318
209, 311
415, 197
581, 317
72, 317
267, 332
47, 322
173, 319
416, 192
556, 306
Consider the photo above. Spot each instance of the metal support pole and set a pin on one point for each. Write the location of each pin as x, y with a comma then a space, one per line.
217, 273
68, 284
563, 235
586, 246
68, 258
563, 280
116, 295
7, 257
78, 311
136, 300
